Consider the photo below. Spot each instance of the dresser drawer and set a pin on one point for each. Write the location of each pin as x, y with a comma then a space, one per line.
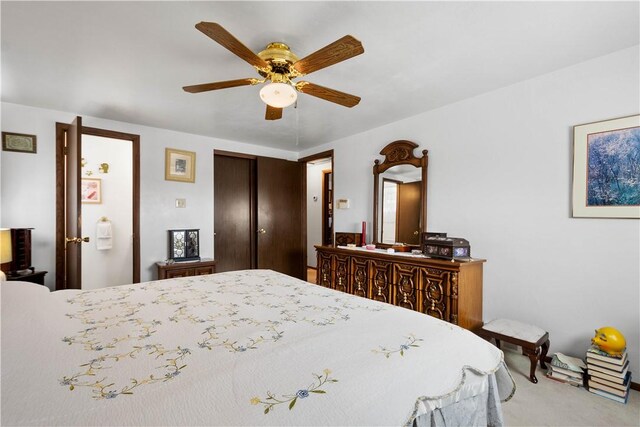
381, 288
201, 271
435, 293
181, 272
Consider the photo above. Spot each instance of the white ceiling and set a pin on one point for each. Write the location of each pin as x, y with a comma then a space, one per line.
128, 61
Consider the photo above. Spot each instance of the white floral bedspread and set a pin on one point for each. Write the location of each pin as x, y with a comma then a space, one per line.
241, 348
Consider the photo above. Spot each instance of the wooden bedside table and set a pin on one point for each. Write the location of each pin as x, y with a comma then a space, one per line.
35, 277
185, 269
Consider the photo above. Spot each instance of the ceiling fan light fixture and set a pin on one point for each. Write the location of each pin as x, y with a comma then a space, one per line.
278, 95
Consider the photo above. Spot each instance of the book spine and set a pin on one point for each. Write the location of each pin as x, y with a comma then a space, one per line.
610, 396
615, 373
621, 393
575, 384
574, 376
601, 376
617, 362
599, 383
592, 361
596, 350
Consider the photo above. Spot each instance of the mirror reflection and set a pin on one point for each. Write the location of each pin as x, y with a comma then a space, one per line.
400, 208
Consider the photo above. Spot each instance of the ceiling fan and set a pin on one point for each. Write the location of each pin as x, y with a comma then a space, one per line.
279, 66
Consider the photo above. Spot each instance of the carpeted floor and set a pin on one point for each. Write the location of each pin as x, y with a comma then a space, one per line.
550, 403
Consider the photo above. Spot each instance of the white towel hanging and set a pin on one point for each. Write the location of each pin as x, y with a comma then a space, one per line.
104, 235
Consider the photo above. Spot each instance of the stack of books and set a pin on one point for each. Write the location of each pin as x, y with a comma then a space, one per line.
609, 375
566, 369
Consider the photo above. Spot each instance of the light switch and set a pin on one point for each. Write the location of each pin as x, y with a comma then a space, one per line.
342, 203
181, 203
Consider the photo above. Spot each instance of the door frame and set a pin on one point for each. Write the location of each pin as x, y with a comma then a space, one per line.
325, 207
307, 159
61, 131
397, 182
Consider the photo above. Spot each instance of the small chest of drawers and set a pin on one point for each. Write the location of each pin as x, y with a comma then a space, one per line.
185, 269
34, 277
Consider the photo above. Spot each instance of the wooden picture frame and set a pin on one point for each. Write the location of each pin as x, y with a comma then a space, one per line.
19, 142
180, 165
606, 167
91, 190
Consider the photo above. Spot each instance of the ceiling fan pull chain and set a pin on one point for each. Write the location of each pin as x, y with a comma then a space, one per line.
295, 106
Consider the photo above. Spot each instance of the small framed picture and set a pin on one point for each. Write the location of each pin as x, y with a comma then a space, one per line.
184, 245
19, 142
180, 165
91, 190
606, 169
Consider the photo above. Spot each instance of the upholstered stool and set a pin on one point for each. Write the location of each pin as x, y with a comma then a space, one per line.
530, 338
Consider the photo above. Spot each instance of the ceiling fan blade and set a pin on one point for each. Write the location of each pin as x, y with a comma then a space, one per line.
204, 87
223, 37
327, 94
338, 51
273, 113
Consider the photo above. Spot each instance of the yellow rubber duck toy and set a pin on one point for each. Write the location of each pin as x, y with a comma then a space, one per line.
610, 340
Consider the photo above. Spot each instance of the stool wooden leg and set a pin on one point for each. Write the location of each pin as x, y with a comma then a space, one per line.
533, 356
545, 349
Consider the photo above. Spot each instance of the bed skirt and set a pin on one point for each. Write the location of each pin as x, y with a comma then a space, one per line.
483, 409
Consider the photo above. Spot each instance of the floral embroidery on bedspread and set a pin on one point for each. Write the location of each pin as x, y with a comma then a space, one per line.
272, 399
119, 327
410, 342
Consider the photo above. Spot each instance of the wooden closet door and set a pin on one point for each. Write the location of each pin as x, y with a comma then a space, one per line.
234, 205
280, 242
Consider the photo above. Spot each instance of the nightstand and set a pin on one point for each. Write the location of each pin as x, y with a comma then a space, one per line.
35, 277
185, 268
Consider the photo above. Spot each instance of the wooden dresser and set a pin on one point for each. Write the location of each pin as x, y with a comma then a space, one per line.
448, 290
185, 268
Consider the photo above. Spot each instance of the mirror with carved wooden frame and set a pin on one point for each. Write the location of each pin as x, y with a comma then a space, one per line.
397, 154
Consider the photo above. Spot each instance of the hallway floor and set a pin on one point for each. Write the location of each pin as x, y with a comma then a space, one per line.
311, 274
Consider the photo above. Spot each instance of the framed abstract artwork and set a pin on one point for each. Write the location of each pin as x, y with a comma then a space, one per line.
179, 165
91, 190
606, 169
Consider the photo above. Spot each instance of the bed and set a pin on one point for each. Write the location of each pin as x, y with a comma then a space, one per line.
240, 348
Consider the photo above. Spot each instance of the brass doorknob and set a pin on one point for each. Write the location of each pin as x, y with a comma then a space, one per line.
76, 239
262, 231
415, 233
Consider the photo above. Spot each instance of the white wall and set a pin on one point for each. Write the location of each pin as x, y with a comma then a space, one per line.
101, 268
28, 184
500, 176
314, 208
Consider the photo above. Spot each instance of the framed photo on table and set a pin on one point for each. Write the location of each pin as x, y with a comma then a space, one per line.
606, 169
180, 165
91, 190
